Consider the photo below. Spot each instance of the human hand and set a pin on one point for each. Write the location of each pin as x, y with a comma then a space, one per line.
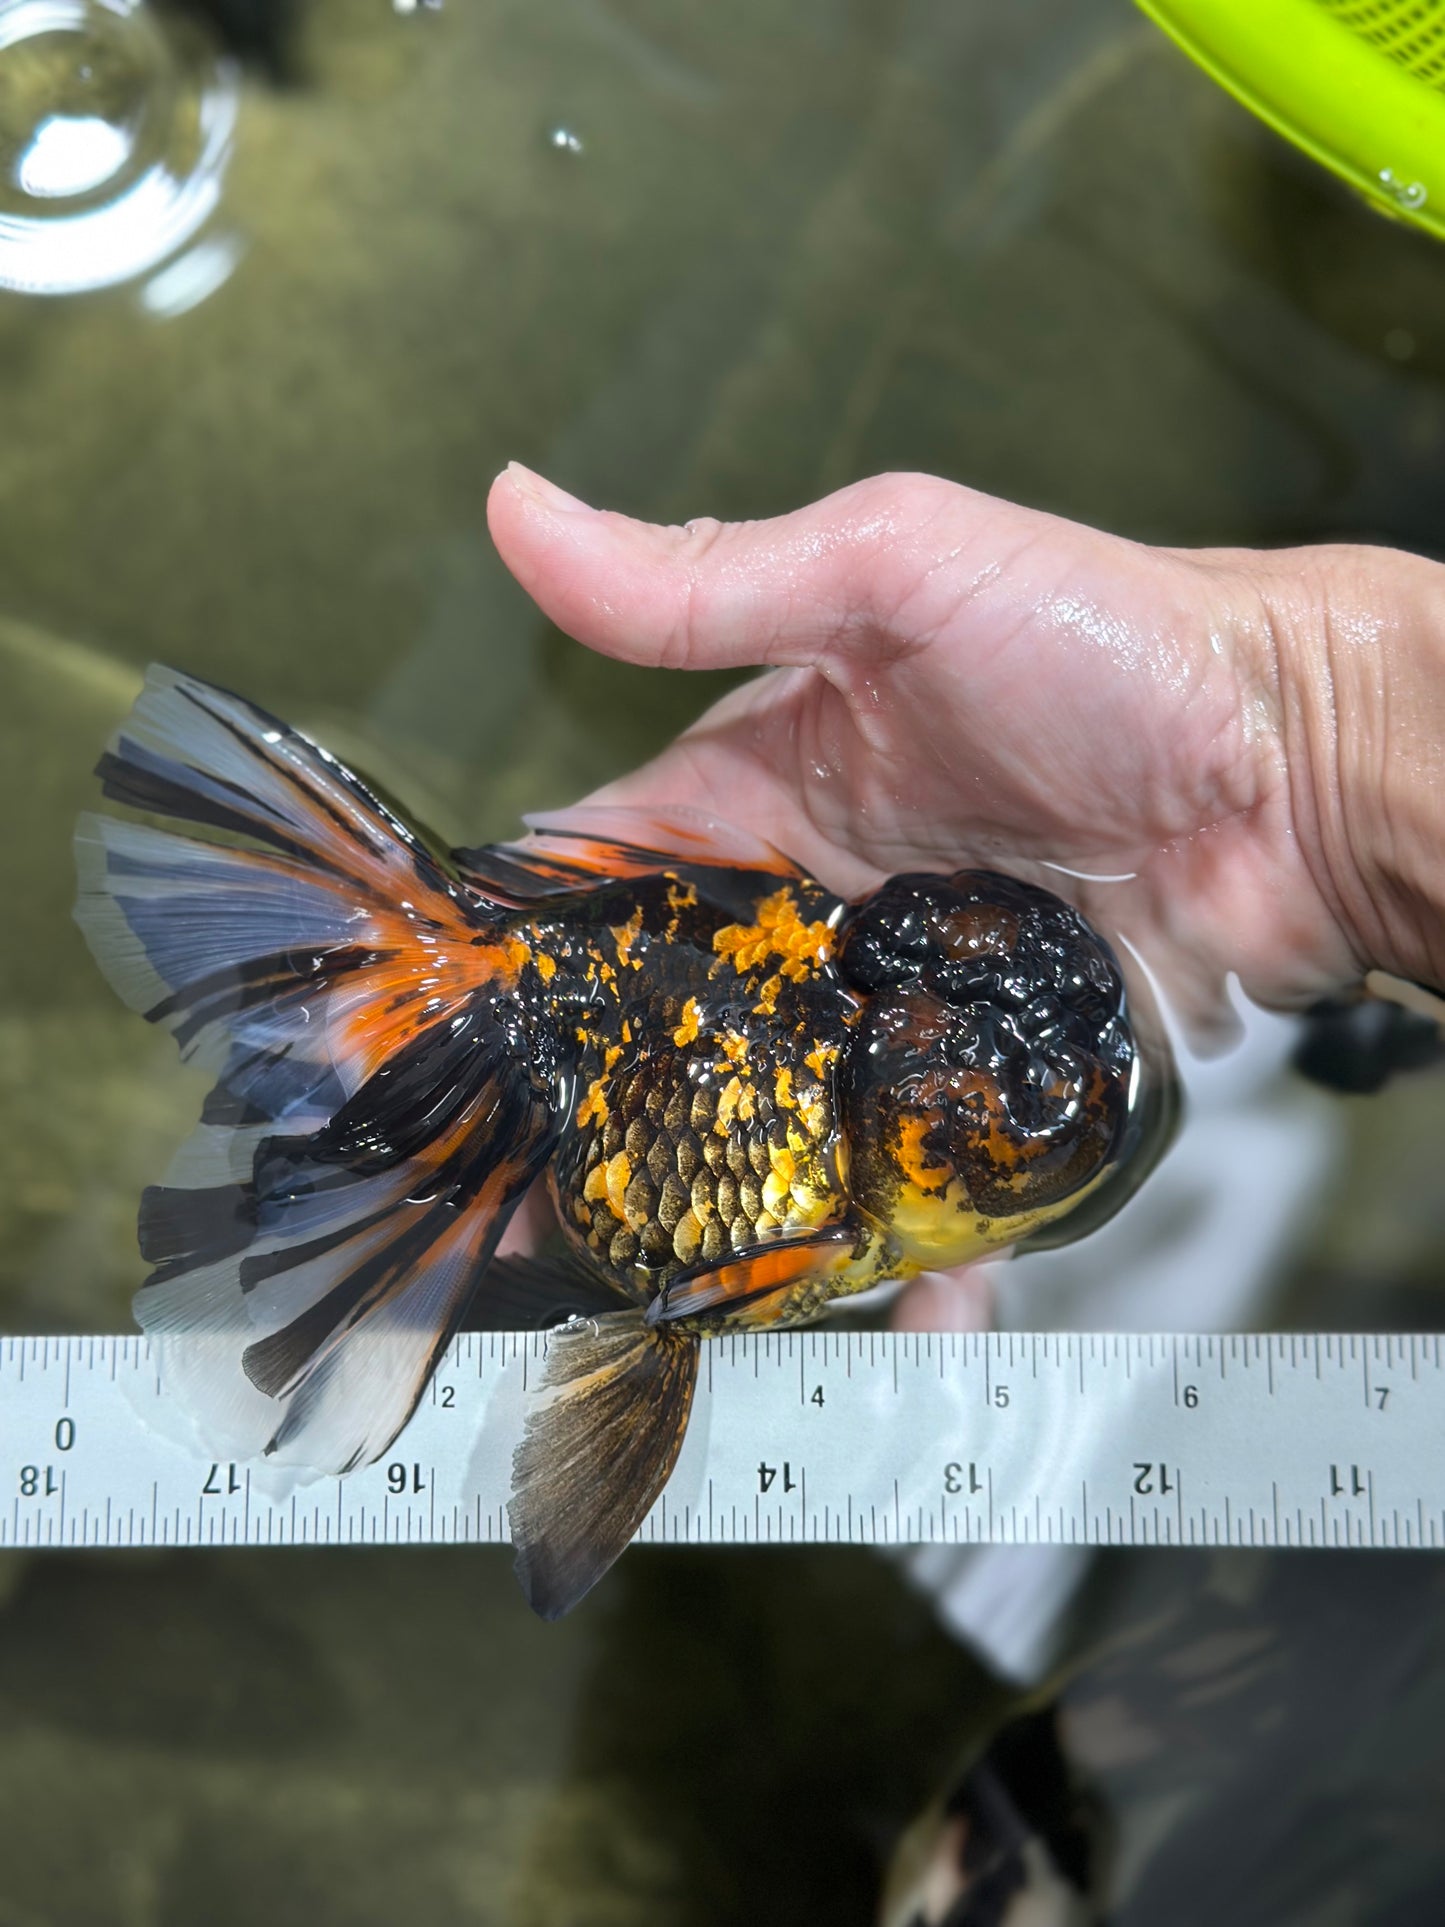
1252, 739
959, 681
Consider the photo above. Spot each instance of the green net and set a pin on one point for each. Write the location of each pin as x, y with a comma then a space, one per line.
1411, 32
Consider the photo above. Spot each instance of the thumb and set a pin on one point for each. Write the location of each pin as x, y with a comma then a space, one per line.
727, 595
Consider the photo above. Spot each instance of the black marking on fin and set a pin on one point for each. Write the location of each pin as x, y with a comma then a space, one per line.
528, 1294
600, 1444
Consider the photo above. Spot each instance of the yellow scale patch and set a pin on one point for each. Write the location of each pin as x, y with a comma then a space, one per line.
920, 1166
625, 935
594, 1106
506, 958
609, 1179
734, 1048
821, 1059
794, 1192
778, 932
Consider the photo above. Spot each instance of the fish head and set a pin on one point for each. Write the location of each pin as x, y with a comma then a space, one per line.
993, 1073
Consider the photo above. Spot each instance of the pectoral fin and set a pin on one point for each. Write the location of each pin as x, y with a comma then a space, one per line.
752, 1276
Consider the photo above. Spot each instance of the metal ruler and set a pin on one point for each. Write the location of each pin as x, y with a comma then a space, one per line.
864, 1438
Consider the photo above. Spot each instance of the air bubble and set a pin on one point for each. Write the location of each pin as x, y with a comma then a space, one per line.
112, 147
1407, 194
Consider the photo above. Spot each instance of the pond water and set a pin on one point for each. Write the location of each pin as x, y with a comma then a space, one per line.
685, 260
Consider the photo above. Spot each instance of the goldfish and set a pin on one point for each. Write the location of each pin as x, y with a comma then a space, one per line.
749, 1098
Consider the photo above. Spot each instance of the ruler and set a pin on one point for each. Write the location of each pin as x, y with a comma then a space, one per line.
813, 1436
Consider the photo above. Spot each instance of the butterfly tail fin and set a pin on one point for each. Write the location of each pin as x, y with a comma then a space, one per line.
375, 1114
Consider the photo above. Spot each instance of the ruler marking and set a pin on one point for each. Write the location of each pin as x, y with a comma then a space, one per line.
849, 1464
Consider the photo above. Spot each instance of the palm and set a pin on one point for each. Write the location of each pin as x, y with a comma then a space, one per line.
961, 682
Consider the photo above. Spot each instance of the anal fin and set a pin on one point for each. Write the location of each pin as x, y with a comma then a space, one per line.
600, 1443
531, 1293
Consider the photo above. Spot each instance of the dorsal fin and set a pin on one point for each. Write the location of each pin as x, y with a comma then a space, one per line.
591, 842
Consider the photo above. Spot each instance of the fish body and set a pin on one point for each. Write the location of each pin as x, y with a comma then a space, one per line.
707, 1024
748, 1097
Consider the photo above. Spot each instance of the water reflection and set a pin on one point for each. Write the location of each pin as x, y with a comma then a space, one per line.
113, 147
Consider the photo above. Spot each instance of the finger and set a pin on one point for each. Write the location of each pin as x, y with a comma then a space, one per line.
530, 1223
946, 1301
717, 595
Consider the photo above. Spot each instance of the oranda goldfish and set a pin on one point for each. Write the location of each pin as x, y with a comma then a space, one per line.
749, 1097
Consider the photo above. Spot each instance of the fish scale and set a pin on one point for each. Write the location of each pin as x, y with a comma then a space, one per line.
696, 1188
681, 1164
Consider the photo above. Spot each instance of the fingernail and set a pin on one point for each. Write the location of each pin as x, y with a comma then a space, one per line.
545, 492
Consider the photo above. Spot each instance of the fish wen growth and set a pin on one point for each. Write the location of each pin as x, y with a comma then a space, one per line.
748, 1097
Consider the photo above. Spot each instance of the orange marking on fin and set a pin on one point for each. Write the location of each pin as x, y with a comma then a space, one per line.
753, 1275
423, 974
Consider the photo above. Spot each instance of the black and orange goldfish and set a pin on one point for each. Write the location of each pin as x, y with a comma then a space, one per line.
749, 1097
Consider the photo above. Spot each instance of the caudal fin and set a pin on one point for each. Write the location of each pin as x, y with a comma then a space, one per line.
372, 1124
600, 1443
